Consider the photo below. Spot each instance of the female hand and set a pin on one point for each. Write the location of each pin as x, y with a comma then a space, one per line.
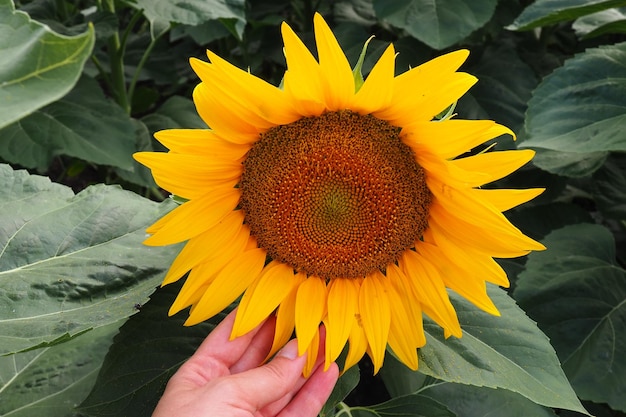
223, 378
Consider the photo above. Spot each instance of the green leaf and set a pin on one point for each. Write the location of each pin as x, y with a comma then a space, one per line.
507, 352
412, 405
579, 111
38, 65
195, 12
505, 83
51, 381
438, 24
176, 112
549, 12
471, 401
139, 174
84, 124
577, 293
597, 24
71, 263
609, 185
148, 350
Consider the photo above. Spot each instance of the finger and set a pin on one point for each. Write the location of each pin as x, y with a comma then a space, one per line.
269, 383
217, 353
258, 349
276, 407
309, 401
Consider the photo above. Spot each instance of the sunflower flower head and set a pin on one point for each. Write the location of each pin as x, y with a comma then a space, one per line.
337, 200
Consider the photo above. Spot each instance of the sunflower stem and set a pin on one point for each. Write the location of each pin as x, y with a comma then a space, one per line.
116, 59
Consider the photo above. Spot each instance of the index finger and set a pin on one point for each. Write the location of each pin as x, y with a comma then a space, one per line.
218, 348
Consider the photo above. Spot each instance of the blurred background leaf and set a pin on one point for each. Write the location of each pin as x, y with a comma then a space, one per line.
577, 113
38, 66
549, 12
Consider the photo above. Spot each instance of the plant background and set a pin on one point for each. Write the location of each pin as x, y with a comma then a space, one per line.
84, 84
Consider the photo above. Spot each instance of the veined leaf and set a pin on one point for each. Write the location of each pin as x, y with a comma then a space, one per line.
577, 293
471, 401
412, 405
579, 111
51, 381
438, 24
507, 352
84, 124
549, 12
38, 66
71, 263
600, 23
196, 12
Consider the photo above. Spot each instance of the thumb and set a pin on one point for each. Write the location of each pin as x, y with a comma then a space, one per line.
271, 382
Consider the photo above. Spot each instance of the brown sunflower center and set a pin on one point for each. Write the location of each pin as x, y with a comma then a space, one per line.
336, 196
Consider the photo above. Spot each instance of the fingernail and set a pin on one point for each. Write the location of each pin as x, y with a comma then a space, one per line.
290, 351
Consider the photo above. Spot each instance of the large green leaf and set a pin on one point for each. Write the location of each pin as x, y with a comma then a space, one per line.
471, 401
549, 12
609, 186
596, 24
412, 405
51, 381
580, 110
71, 263
507, 352
439, 24
84, 124
195, 12
505, 83
38, 66
577, 294
148, 350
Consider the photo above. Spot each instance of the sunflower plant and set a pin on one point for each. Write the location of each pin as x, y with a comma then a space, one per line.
441, 194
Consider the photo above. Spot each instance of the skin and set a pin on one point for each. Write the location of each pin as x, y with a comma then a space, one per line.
226, 378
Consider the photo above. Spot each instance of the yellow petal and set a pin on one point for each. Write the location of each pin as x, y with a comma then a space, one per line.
202, 247
480, 264
200, 142
377, 90
311, 354
357, 342
425, 87
303, 79
430, 290
465, 206
456, 276
310, 310
215, 111
400, 283
503, 199
495, 165
375, 316
337, 78
342, 305
286, 317
189, 176
203, 274
451, 138
401, 330
500, 245
263, 296
203, 213
229, 284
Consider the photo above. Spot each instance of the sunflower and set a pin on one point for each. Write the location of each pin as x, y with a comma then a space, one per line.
336, 200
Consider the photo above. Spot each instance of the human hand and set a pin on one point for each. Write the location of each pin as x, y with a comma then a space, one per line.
223, 379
